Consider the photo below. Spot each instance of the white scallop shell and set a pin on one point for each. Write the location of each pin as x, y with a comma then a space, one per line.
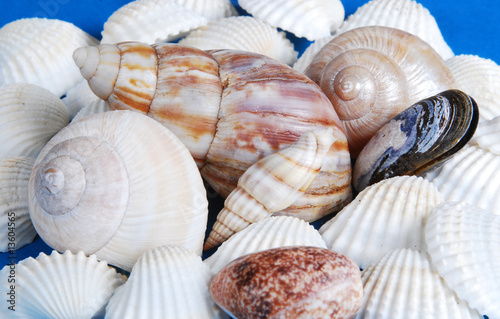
97, 106
464, 244
39, 51
480, 78
58, 286
78, 97
268, 233
312, 19
16, 229
407, 15
152, 21
29, 116
385, 216
166, 282
404, 284
243, 33
309, 53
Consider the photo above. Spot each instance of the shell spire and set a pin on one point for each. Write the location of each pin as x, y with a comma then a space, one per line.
272, 184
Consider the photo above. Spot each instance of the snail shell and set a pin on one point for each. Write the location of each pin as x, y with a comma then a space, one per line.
371, 74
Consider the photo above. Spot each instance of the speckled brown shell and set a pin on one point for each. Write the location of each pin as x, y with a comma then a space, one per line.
289, 282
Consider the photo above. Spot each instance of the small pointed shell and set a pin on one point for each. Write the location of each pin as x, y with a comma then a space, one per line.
308, 55
59, 286
29, 116
38, 51
16, 229
464, 244
166, 282
385, 216
78, 97
311, 19
272, 184
404, 284
97, 106
277, 231
243, 33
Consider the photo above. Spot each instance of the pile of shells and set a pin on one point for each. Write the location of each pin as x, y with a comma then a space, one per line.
339, 171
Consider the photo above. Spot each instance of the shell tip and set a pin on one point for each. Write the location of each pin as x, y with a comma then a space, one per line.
87, 60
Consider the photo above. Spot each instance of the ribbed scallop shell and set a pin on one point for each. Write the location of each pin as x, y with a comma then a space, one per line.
385, 216
406, 15
308, 55
480, 78
272, 232
243, 33
464, 244
166, 282
404, 284
312, 19
97, 106
59, 286
153, 21
29, 116
78, 97
38, 51
16, 229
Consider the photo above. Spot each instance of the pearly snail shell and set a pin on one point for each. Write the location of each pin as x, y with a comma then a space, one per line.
371, 74
230, 108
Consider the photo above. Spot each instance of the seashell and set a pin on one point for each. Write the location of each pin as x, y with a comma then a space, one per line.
289, 282
371, 74
152, 21
38, 51
311, 19
272, 184
308, 55
406, 15
404, 284
78, 97
243, 33
385, 216
16, 229
166, 282
230, 108
97, 106
29, 116
58, 286
480, 78
272, 232
463, 243
420, 137
103, 186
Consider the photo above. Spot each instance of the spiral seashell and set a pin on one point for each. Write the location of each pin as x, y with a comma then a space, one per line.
16, 229
97, 106
463, 242
385, 216
78, 97
272, 184
371, 74
166, 282
273, 232
420, 137
243, 33
38, 51
404, 284
58, 286
29, 116
308, 55
289, 282
103, 186
230, 108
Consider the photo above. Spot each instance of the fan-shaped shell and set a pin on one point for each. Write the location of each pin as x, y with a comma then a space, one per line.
166, 282
58, 286
385, 216
16, 229
463, 242
29, 116
404, 284
97, 106
243, 33
115, 184
38, 51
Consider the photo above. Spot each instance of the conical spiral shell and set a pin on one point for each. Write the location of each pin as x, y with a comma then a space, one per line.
58, 286
166, 282
115, 184
38, 51
16, 229
385, 216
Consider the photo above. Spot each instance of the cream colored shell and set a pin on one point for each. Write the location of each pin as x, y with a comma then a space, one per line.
97, 106
308, 55
78, 97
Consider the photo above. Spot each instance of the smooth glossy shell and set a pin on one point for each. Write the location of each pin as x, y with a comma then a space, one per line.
420, 137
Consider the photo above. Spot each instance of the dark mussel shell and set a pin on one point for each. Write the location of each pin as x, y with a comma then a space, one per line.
419, 138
